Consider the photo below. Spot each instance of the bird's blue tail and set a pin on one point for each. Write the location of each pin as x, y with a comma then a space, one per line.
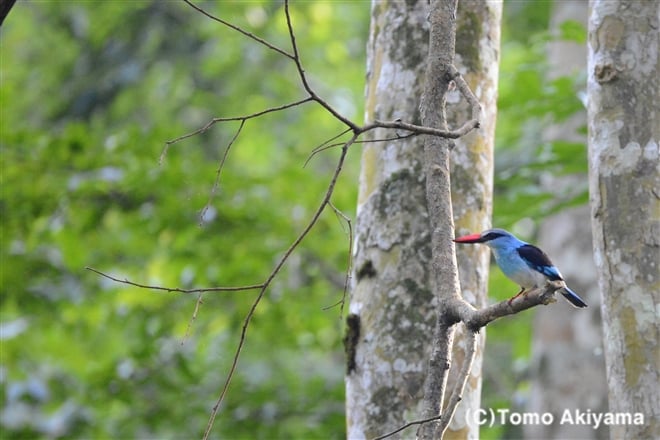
573, 297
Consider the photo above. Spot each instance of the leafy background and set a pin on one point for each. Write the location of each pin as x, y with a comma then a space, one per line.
90, 92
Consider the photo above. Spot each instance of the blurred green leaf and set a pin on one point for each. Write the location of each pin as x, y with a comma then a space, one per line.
572, 30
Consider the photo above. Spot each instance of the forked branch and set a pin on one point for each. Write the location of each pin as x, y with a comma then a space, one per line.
474, 319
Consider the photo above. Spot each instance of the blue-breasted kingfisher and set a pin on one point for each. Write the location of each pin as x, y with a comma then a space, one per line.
522, 262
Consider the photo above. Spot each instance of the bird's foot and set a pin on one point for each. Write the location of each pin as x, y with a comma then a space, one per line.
522, 292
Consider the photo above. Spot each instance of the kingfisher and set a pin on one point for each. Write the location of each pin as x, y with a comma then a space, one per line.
522, 262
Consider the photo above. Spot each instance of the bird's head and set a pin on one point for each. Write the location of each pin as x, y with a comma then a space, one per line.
491, 237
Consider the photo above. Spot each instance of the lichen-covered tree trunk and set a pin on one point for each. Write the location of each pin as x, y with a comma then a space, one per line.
624, 132
392, 311
391, 306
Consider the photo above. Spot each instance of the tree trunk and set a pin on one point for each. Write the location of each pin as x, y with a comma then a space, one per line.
567, 364
391, 305
477, 58
393, 312
624, 132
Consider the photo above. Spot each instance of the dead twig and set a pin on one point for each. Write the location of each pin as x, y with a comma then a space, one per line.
266, 284
216, 184
214, 121
176, 289
240, 30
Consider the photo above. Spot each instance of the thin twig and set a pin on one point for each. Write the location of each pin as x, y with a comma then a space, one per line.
303, 78
278, 267
454, 399
235, 118
457, 393
238, 29
193, 318
216, 184
349, 267
324, 146
421, 129
472, 100
406, 426
394, 138
177, 289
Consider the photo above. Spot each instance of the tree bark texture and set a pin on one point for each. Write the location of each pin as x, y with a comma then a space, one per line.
444, 269
624, 132
477, 59
390, 298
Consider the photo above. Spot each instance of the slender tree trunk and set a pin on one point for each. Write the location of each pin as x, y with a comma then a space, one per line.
624, 133
567, 365
393, 312
477, 58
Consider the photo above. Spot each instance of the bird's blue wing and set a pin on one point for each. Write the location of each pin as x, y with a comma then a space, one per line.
539, 261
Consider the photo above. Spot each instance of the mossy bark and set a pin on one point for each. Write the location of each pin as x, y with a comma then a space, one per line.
624, 162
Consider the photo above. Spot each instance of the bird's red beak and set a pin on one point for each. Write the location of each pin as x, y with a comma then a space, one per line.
472, 238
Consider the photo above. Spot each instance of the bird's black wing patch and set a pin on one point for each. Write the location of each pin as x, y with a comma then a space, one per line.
538, 260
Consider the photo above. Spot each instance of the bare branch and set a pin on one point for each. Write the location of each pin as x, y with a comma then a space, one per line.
471, 99
444, 282
454, 399
438, 372
446, 322
216, 184
349, 267
276, 270
303, 77
457, 393
475, 319
420, 129
324, 146
193, 318
406, 426
238, 29
387, 139
176, 289
235, 118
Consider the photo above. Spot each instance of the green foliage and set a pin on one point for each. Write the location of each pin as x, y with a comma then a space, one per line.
572, 30
530, 102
